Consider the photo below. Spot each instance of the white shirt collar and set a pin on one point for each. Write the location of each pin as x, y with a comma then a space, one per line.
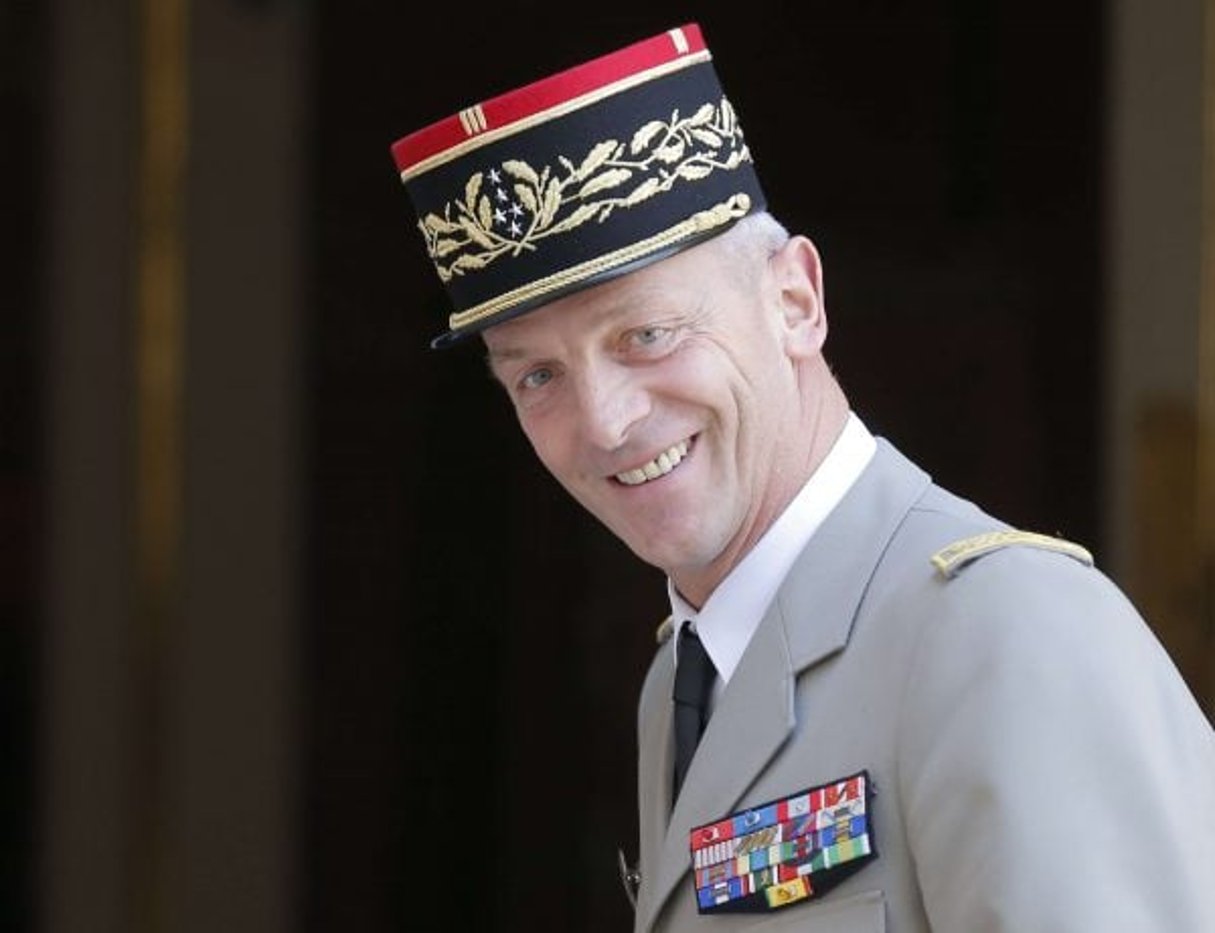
733, 611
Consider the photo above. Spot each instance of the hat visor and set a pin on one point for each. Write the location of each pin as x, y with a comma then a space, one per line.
457, 335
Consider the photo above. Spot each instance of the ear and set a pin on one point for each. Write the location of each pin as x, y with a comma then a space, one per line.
798, 274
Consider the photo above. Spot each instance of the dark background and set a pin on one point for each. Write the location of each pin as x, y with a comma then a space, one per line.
22, 37
474, 643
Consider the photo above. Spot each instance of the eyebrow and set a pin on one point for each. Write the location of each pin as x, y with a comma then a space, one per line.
509, 353
494, 359
639, 304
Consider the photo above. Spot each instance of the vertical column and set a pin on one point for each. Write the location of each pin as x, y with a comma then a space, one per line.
169, 664
1206, 365
87, 740
232, 760
160, 318
1155, 365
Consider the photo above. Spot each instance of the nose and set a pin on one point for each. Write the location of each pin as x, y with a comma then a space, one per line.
611, 400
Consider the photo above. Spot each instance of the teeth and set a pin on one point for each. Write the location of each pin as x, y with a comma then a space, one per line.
661, 465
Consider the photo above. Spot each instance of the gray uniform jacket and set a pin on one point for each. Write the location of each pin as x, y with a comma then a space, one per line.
1038, 762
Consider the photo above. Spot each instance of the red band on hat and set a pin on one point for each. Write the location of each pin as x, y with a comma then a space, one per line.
534, 99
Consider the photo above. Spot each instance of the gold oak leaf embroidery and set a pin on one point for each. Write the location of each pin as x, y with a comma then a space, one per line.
522, 207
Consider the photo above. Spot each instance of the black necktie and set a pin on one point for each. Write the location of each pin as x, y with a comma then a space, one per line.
694, 675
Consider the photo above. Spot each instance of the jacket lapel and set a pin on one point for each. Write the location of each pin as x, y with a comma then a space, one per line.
818, 602
656, 744
757, 713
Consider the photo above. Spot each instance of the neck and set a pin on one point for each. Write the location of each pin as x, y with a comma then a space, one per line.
822, 421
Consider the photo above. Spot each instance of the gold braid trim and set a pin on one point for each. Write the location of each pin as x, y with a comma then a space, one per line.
735, 207
490, 136
485, 223
950, 560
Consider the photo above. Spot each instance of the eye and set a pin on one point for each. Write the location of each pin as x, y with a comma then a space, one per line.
649, 337
536, 378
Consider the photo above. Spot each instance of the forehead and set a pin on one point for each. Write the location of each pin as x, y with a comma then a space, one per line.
660, 289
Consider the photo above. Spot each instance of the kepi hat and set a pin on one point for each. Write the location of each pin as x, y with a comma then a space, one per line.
577, 178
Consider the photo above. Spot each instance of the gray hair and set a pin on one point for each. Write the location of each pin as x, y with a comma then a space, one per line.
751, 241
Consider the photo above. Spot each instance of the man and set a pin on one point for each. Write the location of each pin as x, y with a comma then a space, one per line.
877, 707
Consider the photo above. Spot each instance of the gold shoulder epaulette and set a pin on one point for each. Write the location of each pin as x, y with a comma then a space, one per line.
950, 560
665, 630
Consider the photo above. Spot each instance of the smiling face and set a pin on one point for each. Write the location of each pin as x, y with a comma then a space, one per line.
683, 404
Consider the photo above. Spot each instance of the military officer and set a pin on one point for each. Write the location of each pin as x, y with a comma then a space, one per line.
874, 706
